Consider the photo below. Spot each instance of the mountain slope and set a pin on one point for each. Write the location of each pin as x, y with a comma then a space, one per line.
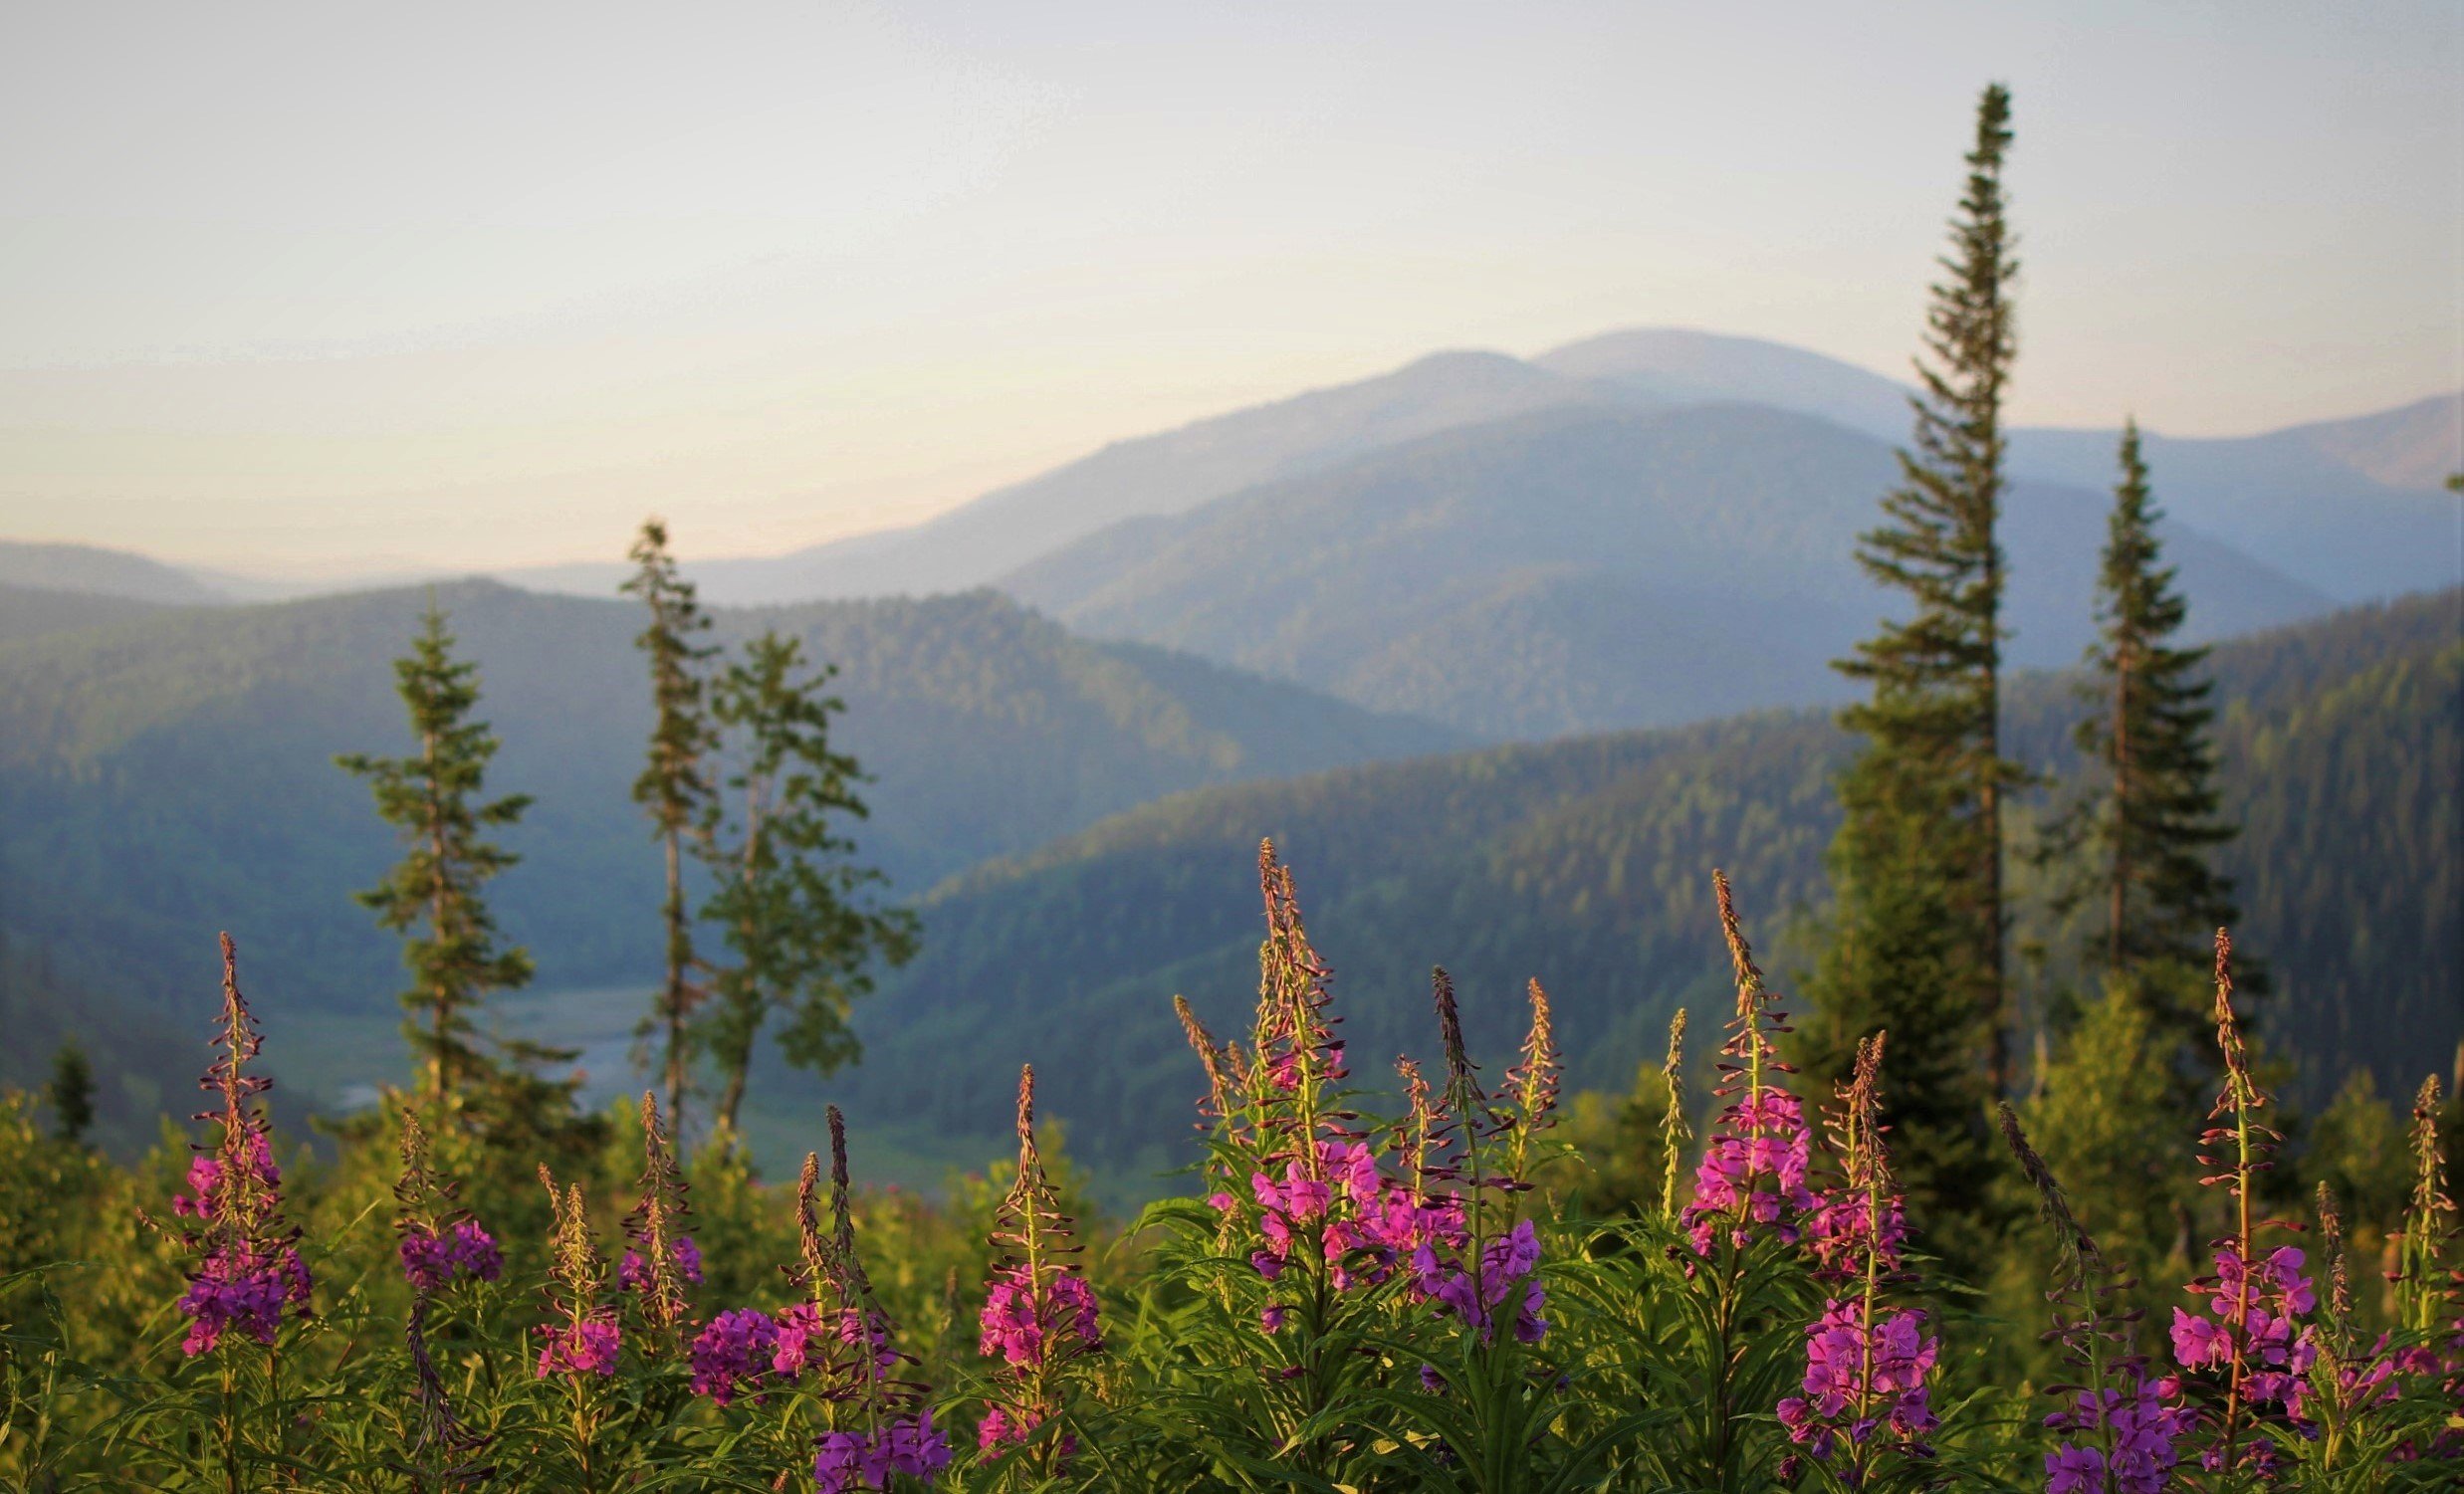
105, 572
1167, 472
1579, 570
31, 611
164, 777
1586, 863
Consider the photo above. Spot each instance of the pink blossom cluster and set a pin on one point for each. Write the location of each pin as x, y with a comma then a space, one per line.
1474, 1294
1371, 1223
2256, 1311
737, 1345
858, 1460
205, 1176
430, 1258
1763, 1136
1002, 1425
1027, 1328
2142, 1428
242, 1288
1862, 1378
1844, 1229
688, 1257
801, 1325
585, 1347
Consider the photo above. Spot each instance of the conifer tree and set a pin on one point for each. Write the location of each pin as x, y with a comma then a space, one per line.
435, 799
1918, 859
674, 786
787, 896
2143, 839
72, 1092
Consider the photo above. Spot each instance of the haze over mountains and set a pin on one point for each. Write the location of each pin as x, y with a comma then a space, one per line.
169, 773
1643, 528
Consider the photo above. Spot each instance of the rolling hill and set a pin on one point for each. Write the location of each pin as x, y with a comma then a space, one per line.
168, 774
1585, 863
1581, 570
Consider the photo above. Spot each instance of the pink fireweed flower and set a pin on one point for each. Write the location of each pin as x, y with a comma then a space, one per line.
248, 1268
1024, 1326
850, 1460
1861, 1378
631, 1277
431, 1260
1752, 1173
2257, 1354
586, 1339
733, 1345
1039, 1314
586, 1347
1753, 1170
2144, 1430
1472, 1295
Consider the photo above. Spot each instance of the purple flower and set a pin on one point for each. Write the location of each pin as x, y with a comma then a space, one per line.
429, 1260
586, 1347
850, 1460
1861, 1376
733, 1345
686, 1254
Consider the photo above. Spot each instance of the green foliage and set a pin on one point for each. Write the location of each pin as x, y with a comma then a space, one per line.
800, 918
435, 896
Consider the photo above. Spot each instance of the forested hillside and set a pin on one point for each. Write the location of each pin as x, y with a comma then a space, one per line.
1580, 569
169, 776
1586, 863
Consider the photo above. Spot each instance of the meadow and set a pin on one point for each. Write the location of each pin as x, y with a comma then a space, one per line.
1337, 1300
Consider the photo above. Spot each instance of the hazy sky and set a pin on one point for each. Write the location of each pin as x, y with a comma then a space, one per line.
308, 289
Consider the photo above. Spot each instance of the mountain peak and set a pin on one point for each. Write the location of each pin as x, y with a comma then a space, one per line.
1691, 366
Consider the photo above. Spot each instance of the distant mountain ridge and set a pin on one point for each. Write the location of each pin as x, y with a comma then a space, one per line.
93, 570
2349, 507
1585, 568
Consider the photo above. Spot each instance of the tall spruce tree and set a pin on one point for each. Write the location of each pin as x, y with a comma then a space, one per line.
674, 786
1918, 861
787, 896
435, 799
2151, 828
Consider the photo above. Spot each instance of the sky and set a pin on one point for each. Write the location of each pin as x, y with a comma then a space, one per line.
311, 291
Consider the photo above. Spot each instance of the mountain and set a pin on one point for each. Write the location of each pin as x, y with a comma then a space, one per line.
1586, 863
1681, 365
103, 572
1580, 569
31, 611
1160, 474
169, 776
2351, 509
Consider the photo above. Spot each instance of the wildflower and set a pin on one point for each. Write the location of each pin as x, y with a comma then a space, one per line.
688, 1258
1761, 1136
1040, 1313
663, 1259
585, 1341
589, 1347
733, 1345
249, 1267
2257, 1348
853, 1460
